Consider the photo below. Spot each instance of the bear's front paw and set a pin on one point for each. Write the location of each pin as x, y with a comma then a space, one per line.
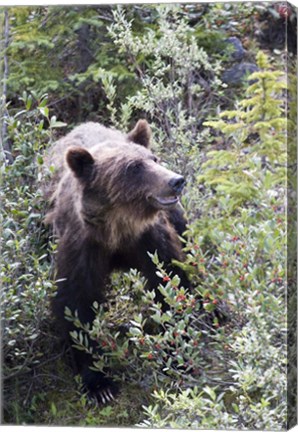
105, 392
98, 386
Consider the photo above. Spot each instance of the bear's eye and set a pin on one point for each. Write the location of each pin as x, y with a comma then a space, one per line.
155, 159
136, 167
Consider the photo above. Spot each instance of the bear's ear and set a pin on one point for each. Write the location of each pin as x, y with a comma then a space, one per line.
141, 133
81, 162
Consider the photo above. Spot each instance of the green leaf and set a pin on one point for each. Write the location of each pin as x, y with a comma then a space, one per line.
210, 392
56, 124
39, 159
44, 111
135, 331
53, 409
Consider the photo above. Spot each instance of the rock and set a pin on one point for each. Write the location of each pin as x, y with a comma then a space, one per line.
237, 73
236, 49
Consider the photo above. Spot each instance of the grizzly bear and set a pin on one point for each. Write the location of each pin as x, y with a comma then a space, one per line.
112, 202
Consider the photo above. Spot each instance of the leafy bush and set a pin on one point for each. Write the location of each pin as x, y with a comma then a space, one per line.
179, 81
61, 53
25, 272
171, 348
197, 410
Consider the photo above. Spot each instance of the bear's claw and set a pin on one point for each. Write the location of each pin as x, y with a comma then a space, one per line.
106, 396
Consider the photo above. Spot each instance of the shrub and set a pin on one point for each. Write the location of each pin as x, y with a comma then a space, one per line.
197, 409
179, 82
25, 272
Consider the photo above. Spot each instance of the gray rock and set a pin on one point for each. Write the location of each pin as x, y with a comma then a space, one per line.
238, 73
237, 50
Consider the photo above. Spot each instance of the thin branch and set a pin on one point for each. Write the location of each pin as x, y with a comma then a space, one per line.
24, 371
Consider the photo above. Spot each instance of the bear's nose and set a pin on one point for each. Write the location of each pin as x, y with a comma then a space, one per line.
177, 183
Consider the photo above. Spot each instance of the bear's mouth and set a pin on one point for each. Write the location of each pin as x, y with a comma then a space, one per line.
163, 202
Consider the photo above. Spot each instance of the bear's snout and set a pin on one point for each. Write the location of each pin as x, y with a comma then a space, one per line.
177, 183
165, 190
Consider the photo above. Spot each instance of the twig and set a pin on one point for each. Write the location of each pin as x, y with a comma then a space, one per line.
24, 372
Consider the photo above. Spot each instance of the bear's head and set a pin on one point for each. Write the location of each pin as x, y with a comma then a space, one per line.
122, 184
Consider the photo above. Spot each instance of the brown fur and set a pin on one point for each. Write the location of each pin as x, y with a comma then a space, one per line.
119, 214
111, 204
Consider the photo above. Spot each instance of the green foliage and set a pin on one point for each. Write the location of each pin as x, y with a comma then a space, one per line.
217, 357
156, 347
242, 231
197, 410
175, 73
235, 18
60, 54
255, 132
260, 113
26, 281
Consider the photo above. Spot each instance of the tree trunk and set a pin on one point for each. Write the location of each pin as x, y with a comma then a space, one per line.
86, 59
